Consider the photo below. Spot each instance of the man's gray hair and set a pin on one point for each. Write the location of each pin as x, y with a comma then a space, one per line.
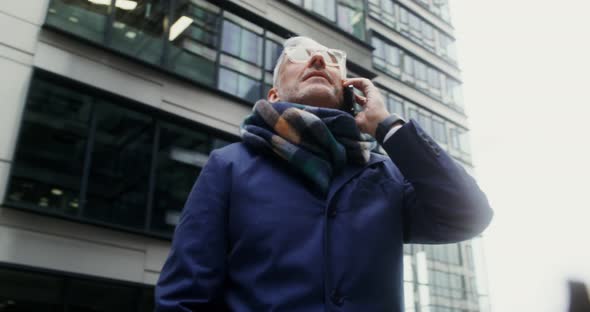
293, 42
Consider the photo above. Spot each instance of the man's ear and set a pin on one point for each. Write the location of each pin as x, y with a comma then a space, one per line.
273, 95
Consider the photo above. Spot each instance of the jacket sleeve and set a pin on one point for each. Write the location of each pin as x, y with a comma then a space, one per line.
193, 275
442, 202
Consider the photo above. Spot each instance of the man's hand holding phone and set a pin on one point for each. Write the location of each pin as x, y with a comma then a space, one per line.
374, 109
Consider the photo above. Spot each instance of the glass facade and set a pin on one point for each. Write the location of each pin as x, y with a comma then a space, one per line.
202, 42
348, 15
439, 8
450, 136
415, 28
23, 291
435, 279
86, 155
399, 64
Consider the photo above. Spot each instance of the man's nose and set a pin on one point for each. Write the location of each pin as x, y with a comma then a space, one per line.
317, 60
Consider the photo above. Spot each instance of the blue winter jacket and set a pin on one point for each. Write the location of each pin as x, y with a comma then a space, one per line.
254, 236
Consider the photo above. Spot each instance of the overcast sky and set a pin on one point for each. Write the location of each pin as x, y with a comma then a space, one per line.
526, 71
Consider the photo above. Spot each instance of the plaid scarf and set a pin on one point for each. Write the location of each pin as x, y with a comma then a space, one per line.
316, 141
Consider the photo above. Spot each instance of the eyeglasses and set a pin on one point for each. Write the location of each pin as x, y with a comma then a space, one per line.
301, 54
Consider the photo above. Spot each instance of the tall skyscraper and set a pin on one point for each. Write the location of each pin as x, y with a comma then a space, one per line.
110, 108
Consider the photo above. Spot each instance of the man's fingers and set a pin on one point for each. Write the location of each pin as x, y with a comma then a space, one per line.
361, 100
363, 84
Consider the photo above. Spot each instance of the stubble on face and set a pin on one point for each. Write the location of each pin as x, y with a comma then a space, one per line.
314, 92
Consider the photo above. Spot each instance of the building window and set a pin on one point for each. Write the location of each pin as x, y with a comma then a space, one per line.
413, 27
447, 48
351, 17
384, 11
87, 155
57, 118
348, 15
459, 142
439, 132
140, 31
23, 290
120, 160
193, 41
83, 18
386, 57
399, 64
453, 96
202, 42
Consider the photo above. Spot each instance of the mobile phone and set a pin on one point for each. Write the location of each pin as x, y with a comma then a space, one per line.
349, 103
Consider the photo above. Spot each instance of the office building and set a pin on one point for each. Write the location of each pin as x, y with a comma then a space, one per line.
111, 107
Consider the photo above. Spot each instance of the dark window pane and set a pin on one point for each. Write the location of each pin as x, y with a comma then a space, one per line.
272, 53
139, 31
146, 303
119, 174
87, 296
24, 291
239, 85
181, 155
80, 17
49, 161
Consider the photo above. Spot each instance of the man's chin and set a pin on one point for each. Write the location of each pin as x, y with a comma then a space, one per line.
320, 96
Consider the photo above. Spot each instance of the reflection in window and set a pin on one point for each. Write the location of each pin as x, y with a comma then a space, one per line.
386, 57
86, 155
193, 35
424, 121
140, 31
459, 142
192, 38
121, 159
351, 17
271, 54
384, 11
453, 94
239, 84
240, 74
49, 160
409, 299
420, 74
242, 43
325, 8
346, 14
82, 18
182, 152
395, 104
438, 131
408, 69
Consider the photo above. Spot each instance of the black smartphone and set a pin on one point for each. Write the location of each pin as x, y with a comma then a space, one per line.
349, 103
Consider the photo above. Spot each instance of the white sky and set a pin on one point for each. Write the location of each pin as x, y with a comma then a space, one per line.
526, 73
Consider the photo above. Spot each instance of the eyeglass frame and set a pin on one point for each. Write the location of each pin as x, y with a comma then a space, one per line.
341, 62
